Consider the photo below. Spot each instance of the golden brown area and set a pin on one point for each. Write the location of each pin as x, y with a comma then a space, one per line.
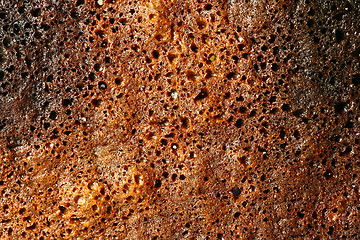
179, 119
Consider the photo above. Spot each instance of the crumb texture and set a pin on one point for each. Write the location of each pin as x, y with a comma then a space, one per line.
179, 119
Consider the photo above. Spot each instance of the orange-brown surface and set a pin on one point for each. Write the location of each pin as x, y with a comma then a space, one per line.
179, 119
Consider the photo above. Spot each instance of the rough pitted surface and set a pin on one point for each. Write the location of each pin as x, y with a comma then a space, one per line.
179, 119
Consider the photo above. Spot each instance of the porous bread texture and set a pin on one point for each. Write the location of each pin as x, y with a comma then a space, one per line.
179, 119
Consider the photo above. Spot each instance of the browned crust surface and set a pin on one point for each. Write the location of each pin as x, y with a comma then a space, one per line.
179, 119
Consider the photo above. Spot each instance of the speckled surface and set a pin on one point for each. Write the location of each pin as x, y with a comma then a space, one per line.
179, 119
